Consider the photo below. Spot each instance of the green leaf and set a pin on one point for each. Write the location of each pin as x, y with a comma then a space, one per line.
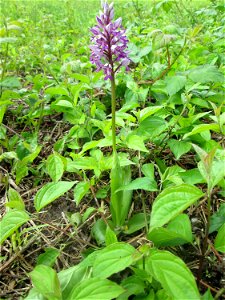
220, 239
110, 236
172, 201
11, 83
71, 277
175, 84
178, 147
135, 142
148, 111
15, 200
206, 74
143, 183
217, 219
51, 191
192, 176
55, 167
34, 295
21, 171
178, 232
46, 281
113, 259
151, 127
201, 128
49, 257
133, 285
96, 288
174, 276
120, 200
148, 171
135, 223
11, 221
87, 213
80, 191
207, 295
83, 163
98, 231
57, 91
82, 77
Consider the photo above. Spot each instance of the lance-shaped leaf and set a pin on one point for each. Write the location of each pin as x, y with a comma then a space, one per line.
114, 258
174, 276
172, 201
50, 192
96, 288
11, 221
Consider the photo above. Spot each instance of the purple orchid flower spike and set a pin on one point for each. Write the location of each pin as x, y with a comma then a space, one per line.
109, 43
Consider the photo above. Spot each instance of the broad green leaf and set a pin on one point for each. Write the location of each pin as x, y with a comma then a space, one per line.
120, 200
87, 213
46, 281
135, 142
96, 288
61, 105
148, 171
135, 223
163, 237
151, 127
11, 221
192, 176
133, 285
220, 239
205, 74
31, 157
113, 259
201, 128
98, 231
80, 191
8, 155
110, 236
179, 147
57, 91
82, 77
217, 219
181, 224
90, 145
143, 183
55, 167
174, 276
83, 163
172, 201
15, 200
49, 257
34, 295
175, 84
21, 171
207, 295
148, 111
51, 191
71, 277
178, 232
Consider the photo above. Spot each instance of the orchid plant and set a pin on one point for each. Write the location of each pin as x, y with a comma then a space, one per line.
109, 53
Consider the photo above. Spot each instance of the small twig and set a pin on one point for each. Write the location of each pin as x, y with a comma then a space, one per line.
12, 258
210, 287
13, 131
215, 251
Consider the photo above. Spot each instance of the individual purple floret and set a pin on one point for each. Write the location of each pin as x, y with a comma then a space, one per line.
109, 43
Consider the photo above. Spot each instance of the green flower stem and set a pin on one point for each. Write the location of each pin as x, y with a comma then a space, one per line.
113, 107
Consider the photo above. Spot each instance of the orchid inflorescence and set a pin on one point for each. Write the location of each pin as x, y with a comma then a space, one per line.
109, 43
